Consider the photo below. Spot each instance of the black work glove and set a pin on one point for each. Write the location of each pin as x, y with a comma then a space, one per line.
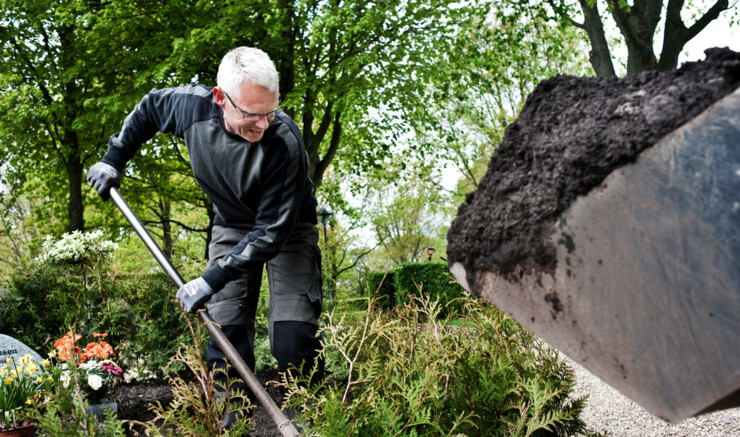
194, 294
102, 177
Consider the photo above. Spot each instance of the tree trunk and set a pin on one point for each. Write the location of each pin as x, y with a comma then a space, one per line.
600, 56
165, 209
286, 67
677, 34
75, 208
637, 24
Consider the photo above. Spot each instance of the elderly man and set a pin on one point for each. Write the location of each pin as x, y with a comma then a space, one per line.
250, 160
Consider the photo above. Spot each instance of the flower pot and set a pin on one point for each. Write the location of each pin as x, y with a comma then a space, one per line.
23, 431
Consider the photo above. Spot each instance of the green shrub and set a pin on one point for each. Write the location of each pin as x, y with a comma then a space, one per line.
67, 286
380, 284
397, 287
433, 280
411, 373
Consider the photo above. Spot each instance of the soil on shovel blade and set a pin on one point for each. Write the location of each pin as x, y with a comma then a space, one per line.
571, 134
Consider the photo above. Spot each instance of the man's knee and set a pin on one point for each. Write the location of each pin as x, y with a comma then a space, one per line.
296, 344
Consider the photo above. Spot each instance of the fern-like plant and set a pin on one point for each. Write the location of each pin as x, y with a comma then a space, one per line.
411, 373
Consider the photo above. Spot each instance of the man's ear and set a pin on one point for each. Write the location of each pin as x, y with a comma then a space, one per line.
220, 97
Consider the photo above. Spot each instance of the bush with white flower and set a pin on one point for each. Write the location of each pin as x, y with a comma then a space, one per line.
95, 368
77, 247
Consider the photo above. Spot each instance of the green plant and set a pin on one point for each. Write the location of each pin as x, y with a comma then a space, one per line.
380, 285
197, 409
431, 279
411, 372
21, 387
77, 247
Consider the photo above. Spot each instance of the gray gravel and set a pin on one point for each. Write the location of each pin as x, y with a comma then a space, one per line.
609, 411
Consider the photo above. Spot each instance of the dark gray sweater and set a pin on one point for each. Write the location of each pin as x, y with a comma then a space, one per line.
261, 187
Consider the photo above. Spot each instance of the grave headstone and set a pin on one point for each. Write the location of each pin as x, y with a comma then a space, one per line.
14, 349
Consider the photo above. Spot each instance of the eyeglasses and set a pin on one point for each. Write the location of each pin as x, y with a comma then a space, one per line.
251, 117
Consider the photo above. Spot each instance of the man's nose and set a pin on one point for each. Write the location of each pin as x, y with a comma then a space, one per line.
262, 123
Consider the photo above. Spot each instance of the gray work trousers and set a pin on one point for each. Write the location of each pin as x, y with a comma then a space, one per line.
294, 278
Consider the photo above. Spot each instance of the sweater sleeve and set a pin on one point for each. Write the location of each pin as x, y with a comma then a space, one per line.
170, 110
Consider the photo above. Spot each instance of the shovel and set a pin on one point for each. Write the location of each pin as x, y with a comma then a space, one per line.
281, 420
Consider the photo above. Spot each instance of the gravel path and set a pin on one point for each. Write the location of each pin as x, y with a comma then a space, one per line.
609, 411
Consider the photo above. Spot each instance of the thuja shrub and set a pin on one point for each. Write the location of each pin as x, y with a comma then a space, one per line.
411, 372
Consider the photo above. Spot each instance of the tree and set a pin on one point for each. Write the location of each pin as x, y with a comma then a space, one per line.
638, 24
409, 219
62, 89
516, 49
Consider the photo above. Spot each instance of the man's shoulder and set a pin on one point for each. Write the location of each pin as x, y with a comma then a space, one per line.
191, 89
287, 130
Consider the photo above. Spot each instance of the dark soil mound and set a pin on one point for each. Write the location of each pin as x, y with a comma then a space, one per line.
571, 134
134, 402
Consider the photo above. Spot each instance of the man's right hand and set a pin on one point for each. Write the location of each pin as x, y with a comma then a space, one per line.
102, 177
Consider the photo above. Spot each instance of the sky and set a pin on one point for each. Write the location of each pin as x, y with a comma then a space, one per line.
717, 34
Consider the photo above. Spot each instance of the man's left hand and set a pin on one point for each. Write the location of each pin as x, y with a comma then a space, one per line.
194, 294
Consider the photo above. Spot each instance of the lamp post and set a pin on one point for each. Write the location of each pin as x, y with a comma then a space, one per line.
325, 213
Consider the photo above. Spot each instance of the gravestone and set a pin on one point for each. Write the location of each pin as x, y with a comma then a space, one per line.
14, 349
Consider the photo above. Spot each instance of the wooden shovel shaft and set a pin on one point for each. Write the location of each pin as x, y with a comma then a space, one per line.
284, 425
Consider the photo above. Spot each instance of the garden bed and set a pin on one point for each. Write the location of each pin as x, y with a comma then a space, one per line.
134, 401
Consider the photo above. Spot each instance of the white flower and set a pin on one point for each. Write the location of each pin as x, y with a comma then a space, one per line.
65, 378
95, 381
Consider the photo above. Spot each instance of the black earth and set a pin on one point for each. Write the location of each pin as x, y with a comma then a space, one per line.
134, 401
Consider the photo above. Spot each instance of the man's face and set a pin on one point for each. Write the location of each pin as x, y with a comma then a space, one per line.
254, 99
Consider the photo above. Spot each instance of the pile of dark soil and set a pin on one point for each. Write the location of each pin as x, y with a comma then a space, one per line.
134, 402
571, 134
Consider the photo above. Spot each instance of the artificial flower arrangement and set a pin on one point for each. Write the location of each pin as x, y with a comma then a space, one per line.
22, 384
96, 370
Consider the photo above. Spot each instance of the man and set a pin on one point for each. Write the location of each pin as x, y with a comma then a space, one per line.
250, 160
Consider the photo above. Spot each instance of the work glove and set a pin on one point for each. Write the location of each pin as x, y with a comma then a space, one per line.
102, 177
194, 294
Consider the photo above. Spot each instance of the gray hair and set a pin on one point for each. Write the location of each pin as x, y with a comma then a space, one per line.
244, 64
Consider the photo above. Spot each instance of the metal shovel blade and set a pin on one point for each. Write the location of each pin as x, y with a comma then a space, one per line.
646, 293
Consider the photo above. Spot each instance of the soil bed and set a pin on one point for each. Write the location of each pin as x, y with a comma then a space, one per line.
571, 134
134, 401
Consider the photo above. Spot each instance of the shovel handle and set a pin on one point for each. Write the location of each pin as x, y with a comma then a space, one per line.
281, 420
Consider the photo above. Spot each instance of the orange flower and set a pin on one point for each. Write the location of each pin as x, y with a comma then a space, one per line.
101, 350
98, 334
66, 346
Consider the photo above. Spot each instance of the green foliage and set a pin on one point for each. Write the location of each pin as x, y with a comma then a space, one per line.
410, 372
138, 311
429, 279
412, 280
77, 248
197, 408
262, 350
380, 284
